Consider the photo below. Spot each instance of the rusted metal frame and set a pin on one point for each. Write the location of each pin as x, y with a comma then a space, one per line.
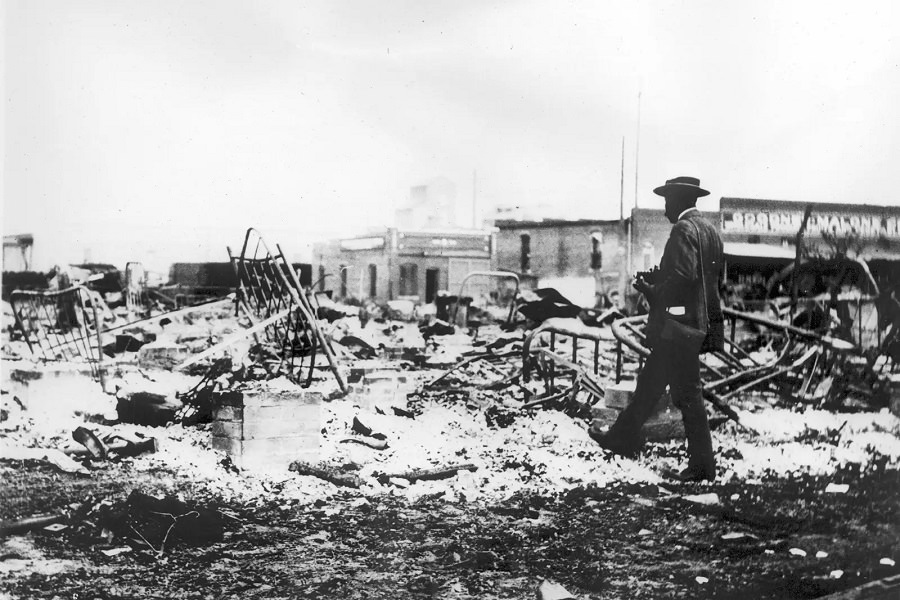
287, 330
737, 376
271, 294
510, 379
72, 339
314, 338
552, 365
728, 359
620, 329
302, 301
777, 373
44, 324
254, 294
618, 361
738, 350
551, 398
272, 300
788, 328
591, 385
258, 286
526, 351
264, 296
96, 323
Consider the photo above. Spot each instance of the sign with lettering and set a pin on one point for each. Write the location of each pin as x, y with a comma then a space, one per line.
437, 243
369, 243
787, 223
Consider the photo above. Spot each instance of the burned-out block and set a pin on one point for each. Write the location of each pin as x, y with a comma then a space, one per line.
619, 395
266, 430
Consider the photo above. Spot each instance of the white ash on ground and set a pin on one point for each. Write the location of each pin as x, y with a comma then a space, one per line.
537, 451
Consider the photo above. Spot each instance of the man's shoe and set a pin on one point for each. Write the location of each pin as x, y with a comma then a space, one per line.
616, 445
690, 474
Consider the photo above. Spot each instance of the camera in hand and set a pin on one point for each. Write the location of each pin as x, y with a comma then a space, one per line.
649, 276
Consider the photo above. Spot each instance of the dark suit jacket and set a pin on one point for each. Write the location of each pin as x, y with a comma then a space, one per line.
678, 282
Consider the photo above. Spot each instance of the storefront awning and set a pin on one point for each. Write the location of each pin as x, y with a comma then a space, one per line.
747, 250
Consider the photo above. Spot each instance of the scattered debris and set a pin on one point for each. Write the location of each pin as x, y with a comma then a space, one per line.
709, 499
373, 443
837, 488
550, 590
89, 440
330, 475
432, 474
29, 523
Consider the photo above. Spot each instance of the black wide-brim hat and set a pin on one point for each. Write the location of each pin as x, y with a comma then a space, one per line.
686, 185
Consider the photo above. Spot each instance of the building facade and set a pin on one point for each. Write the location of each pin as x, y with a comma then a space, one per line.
401, 264
580, 258
17, 252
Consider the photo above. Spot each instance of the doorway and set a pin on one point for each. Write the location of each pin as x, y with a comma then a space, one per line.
432, 276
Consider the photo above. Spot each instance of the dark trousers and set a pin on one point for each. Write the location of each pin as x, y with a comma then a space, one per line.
679, 370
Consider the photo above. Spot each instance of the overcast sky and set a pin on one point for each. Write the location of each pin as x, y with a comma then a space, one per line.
160, 130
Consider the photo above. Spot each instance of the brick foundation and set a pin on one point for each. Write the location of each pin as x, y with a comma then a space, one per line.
264, 430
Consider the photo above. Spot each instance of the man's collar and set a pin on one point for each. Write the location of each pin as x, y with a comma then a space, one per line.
686, 211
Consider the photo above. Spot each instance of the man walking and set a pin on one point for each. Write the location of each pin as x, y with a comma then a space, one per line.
685, 320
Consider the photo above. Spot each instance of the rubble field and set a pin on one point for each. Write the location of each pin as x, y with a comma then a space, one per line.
424, 484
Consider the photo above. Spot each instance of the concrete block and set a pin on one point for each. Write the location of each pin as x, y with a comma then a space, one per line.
618, 395
227, 413
269, 454
267, 429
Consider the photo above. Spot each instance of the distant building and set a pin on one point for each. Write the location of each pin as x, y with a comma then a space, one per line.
771, 224
758, 236
579, 257
17, 252
402, 264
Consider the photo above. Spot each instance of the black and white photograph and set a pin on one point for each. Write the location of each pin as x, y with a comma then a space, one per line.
471, 299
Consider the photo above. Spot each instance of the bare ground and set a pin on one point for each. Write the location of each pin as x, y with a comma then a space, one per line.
621, 541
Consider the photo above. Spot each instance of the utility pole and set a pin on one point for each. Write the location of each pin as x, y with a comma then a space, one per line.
637, 149
474, 199
622, 187
623, 267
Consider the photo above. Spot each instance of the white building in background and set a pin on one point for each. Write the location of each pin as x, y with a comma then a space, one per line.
431, 205
17, 252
